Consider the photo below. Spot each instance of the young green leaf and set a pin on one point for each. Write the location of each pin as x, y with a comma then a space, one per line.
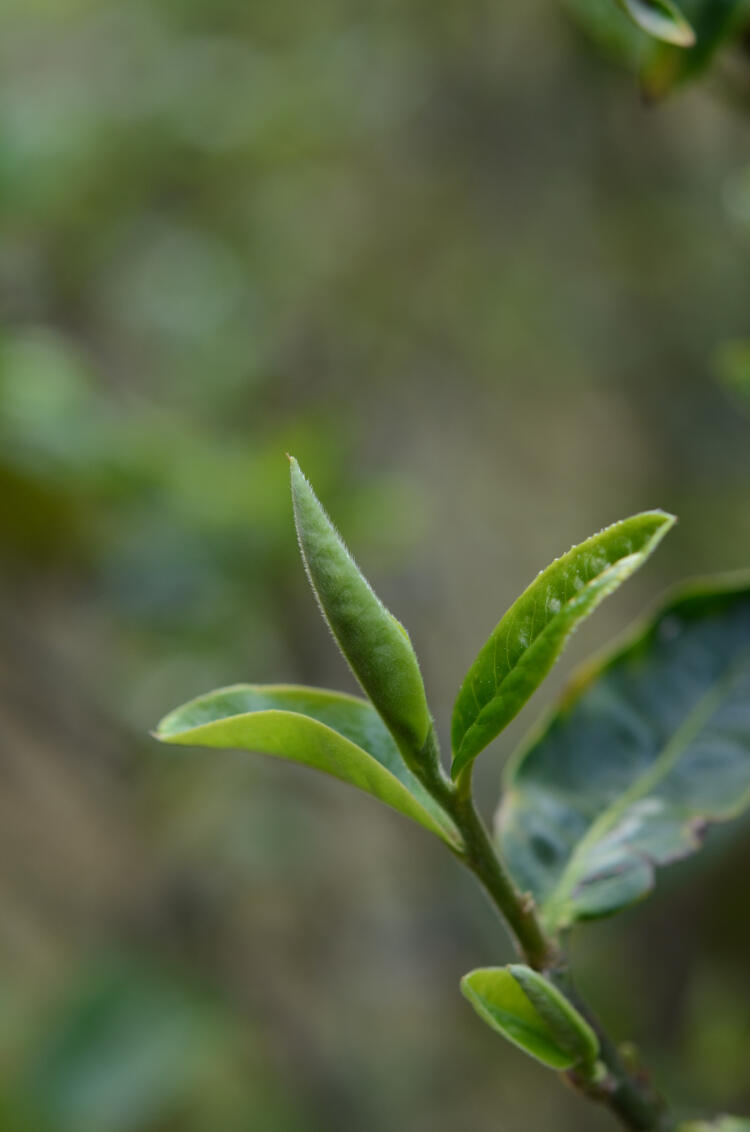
532, 1014
646, 748
339, 734
374, 643
660, 18
570, 1030
532, 634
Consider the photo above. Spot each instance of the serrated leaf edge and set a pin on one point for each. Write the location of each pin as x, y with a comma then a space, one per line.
608, 581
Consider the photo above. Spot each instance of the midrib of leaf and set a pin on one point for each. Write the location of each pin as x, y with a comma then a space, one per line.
512, 1022
706, 706
521, 1030
608, 577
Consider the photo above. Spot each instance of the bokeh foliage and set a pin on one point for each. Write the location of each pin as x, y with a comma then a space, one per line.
445, 255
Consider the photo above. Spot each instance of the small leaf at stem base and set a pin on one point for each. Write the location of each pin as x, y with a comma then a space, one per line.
532, 1014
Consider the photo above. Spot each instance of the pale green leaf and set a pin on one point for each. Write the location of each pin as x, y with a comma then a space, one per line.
532, 634
532, 1014
339, 734
570, 1030
374, 643
647, 747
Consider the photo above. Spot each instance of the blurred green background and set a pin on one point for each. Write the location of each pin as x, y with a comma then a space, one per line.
445, 254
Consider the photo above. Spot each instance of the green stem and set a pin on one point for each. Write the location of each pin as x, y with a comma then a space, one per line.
630, 1097
516, 908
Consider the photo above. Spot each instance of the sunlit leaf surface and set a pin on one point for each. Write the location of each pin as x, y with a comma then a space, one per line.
339, 734
530, 637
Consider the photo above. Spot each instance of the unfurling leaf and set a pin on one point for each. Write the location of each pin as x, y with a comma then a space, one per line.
532, 634
532, 1014
374, 643
660, 18
339, 734
646, 748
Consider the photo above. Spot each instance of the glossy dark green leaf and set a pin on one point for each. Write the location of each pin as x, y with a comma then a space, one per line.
532, 634
374, 643
714, 23
339, 734
660, 18
532, 1014
647, 747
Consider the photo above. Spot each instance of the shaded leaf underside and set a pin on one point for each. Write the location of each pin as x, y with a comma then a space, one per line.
646, 749
339, 734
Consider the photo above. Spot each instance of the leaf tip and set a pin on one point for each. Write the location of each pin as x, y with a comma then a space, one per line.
294, 468
467, 990
679, 32
166, 729
658, 514
661, 19
301, 488
663, 522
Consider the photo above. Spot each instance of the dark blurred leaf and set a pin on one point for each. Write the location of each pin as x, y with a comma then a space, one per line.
714, 22
124, 1051
341, 735
661, 19
610, 30
661, 63
646, 748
